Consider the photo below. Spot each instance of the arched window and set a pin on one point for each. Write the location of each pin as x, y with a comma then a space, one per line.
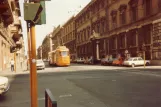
114, 18
122, 10
133, 6
147, 6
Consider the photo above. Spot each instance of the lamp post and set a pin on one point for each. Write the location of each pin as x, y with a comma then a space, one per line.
94, 38
144, 48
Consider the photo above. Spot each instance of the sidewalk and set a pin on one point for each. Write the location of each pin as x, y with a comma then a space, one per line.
9, 72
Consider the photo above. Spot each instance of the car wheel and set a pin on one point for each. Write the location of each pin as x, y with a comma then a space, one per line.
133, 65
147, 64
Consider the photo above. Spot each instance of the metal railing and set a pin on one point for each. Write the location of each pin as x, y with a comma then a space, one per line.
49, 99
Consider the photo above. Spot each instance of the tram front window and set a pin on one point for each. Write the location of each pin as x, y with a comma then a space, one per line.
64, 53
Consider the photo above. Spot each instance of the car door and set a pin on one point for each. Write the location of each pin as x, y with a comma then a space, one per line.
135, 61
141, 61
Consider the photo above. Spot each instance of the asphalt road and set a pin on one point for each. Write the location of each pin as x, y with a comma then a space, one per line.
89, 86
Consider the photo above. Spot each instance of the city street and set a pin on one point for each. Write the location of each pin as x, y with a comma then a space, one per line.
89, 86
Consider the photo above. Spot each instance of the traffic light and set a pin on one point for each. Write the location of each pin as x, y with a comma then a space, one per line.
42, 19
32, 12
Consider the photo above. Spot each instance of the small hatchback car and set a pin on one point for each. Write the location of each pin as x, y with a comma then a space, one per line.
4, 85
40, 64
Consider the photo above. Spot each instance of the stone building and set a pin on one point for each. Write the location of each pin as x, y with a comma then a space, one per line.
91, 27
39, 52
56, 37
68, 36
10, 34
111, 27
46, 47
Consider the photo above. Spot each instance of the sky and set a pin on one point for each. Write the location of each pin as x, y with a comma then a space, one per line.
57, 13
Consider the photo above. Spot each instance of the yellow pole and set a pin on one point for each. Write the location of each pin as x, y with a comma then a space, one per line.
29, 46
144, 59
15, 61
33, 73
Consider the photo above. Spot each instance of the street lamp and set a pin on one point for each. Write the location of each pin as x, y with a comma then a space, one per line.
144, 49
94, 38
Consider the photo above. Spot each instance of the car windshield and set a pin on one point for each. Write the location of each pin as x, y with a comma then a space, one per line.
39, 61
130, 59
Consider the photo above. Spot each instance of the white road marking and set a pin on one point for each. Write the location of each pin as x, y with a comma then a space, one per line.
67, 95
41, 98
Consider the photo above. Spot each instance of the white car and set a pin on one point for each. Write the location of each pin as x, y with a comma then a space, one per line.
4, 85
135, 61
40, 64
80, 60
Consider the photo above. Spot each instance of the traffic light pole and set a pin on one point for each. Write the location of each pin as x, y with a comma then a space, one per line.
15, 62
33, 73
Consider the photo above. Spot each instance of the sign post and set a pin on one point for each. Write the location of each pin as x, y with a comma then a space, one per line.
144, 48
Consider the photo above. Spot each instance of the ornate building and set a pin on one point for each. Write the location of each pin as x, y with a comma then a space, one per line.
68, 36
10, 34
39, 52
46, 47
92, 21
56, 37
120, 25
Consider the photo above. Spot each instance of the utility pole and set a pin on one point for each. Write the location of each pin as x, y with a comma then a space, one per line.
34, 14
15, 61
33, 72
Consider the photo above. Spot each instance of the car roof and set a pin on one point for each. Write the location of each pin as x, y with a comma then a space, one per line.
134, 57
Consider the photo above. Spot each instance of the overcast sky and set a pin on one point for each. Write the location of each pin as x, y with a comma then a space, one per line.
57, 13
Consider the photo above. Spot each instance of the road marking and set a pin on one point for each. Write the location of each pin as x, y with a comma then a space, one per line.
41, 98
145, 74
67, 95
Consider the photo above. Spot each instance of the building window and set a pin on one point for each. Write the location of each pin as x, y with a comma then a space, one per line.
147, 7
122, 10
114, 42
159, 5
88, 31
122, 41
114, 18
133, 6
134, 14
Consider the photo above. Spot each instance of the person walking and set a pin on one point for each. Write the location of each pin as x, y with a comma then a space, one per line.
12, 65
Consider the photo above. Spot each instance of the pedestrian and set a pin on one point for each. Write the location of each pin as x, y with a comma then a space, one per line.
12, 65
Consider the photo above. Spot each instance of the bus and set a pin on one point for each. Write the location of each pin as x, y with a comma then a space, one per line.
59, 57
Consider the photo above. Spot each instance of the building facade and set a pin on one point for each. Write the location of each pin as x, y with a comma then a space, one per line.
68, 36
56, 37
10, 34
39, 52
91, 27
46, 47
119, 27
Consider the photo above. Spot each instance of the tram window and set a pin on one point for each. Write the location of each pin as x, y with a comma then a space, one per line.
64, 53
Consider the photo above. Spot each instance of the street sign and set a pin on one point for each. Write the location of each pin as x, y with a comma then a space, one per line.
42, 19
32, 12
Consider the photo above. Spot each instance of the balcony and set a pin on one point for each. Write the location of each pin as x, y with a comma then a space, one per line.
14, 29
5, 12
15, 6
17, 21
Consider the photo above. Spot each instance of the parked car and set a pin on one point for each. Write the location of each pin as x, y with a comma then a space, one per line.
118, 61
135, 61
40, 64
110, 61
104, 61
4, 85
80, 60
